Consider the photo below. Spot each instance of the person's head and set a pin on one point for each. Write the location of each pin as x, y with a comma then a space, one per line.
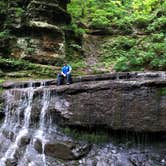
65, 63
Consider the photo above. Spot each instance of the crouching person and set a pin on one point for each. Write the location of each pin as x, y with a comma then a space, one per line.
65, 74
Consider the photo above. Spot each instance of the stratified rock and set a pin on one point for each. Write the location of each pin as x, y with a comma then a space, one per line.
135, 104
37, 26
47, 11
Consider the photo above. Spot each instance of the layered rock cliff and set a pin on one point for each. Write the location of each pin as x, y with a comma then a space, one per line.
37, 30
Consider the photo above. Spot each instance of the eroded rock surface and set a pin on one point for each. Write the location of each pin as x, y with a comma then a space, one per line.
37, 26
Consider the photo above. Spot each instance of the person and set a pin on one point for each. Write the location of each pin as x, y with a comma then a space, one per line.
65, 74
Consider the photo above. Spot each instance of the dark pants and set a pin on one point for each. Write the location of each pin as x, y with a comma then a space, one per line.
61, 78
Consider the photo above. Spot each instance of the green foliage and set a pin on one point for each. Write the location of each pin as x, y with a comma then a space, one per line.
158, 24
30, 50
162, 91
121, 14
141, 21
17, 65
78, 66
1, 81
19, 12
74, 27
4, 34
158, 37
121, 64
3, 7
129, 53
97, 137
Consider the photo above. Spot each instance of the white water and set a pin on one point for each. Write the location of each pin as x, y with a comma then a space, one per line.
23, 132
40, 134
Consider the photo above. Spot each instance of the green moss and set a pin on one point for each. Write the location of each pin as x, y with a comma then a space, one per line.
2, 81
162, 91
16, 65
19, 12
97, 137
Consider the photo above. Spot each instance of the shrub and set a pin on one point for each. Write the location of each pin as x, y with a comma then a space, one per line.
158, 37
158, 24
121, 64
141, 21
19, 12
100, 22
124, 25
4, 34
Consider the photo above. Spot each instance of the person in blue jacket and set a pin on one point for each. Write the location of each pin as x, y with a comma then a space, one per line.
65, 74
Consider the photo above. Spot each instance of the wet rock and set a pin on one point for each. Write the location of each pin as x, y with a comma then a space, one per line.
24, 141
38, 145
137, 160
8, 134
63, 150
136, 105
11, 162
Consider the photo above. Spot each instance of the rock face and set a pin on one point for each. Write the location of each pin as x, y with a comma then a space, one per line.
136, 105
38, 29
120, 101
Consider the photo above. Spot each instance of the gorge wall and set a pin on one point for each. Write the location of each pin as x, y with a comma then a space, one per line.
36, 28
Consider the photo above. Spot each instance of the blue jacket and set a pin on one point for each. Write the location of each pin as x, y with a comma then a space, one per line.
66, 69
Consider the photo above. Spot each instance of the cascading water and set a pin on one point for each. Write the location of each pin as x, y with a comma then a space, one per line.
18, 110
14, 122
43, 123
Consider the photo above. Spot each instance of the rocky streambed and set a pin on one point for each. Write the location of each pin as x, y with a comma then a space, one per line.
130, 108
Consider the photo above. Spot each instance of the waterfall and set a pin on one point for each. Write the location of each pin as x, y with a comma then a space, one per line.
19, 102
13, 120
43, 123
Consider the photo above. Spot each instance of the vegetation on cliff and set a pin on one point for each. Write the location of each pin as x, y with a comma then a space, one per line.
136, 31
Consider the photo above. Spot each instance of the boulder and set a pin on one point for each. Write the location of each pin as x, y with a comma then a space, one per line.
63, 149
